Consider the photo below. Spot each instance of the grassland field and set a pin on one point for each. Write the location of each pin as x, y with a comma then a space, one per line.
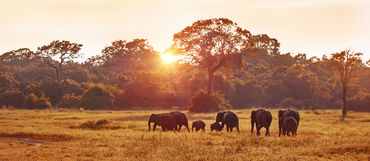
72, 135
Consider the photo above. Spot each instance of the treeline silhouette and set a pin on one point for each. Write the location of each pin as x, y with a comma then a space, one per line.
131, 74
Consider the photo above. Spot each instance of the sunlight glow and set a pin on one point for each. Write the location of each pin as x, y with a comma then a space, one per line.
169, 58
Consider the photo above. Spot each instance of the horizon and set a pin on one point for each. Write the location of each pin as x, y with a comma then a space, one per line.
334, 25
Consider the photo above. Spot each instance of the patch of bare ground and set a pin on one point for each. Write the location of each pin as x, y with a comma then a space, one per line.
48, 137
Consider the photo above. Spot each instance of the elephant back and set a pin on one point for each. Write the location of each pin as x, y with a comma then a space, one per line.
291, 113
231, 119
180, 117
263, 117
216, 126
290, 122
166, 120
198, 123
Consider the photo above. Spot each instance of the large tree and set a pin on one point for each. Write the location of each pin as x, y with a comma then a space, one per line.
213, 43
346, 62
56, 54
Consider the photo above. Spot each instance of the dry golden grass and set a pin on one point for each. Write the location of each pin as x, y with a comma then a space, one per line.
320, 137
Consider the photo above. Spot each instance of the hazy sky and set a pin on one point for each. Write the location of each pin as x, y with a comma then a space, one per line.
314, 27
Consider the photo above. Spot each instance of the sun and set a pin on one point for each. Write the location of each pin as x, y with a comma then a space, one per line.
169, 58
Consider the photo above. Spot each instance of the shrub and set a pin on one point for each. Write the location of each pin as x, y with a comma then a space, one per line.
70, 100
203, 102
97, 98
33, 102
360, 103
12, 98
291, 102
30, 101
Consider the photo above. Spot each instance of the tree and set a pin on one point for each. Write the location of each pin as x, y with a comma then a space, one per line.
346, 62
63, 51
97, 98
213, 43
18, 57
12, 97
126, 56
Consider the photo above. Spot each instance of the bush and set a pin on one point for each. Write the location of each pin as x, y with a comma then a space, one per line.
97, 98
70, 100
360, 103
203, 102
12, 98
291, 102
33, 102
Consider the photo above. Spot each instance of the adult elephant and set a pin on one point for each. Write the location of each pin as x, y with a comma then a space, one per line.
261, 118
181, 119
229, 119
287, 113
166, 121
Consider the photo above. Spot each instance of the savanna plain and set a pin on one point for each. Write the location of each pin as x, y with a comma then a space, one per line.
123, 135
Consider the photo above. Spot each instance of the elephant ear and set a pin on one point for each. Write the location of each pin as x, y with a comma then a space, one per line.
152, 117
281, 113
220, 116
253, 115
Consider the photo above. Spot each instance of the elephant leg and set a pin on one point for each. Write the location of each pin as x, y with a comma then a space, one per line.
287, 133
258, 130
267, 132
227, 128
231, 129
180, 127
279, 131
187, 127
155, 125
204, 129
237, 128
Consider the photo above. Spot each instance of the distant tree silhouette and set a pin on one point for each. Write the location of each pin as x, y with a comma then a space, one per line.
122, 55
346, 62
213, 43
63, 52
18, 57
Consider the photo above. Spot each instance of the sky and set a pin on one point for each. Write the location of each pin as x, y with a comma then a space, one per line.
314, 27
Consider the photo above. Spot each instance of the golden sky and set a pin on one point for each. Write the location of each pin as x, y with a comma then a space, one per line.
314, 27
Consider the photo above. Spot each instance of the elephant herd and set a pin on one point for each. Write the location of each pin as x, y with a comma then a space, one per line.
288, 121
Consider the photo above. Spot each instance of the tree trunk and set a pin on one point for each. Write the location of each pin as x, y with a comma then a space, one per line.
60, 88
210, 81
344, 109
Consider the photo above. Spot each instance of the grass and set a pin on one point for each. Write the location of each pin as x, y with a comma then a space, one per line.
123, 135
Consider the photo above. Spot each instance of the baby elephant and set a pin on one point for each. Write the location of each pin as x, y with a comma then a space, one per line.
199, 124
288, 125
216, 126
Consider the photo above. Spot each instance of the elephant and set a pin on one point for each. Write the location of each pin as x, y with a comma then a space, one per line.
288, 125
166, 121
230, 119
262, 118
181, 119
216, 126
286, 113
199, 124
